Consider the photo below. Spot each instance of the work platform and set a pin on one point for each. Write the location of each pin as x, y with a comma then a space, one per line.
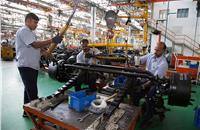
62, 118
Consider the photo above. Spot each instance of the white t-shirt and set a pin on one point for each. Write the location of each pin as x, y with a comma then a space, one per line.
27, 56
80, 58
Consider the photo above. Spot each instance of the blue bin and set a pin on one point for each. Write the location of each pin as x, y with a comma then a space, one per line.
120, 81
197, 117
194, 66
79, 100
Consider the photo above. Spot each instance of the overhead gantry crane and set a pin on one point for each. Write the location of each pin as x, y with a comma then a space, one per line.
141, 14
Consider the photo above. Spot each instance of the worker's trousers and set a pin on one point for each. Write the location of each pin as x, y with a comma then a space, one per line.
29, 78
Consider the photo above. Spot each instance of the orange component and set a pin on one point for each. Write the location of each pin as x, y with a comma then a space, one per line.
188, 58
192, 71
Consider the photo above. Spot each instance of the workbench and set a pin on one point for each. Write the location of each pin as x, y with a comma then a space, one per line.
62, 118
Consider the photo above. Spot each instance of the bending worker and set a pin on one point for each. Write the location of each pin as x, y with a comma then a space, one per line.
87, 56
156, 63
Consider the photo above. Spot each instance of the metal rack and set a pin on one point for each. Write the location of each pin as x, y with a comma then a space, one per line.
179, 67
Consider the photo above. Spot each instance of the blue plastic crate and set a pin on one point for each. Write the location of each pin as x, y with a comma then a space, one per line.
194, 66
197, 117
79, 100
120, 81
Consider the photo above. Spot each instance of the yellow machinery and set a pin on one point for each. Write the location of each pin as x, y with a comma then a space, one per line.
140, 14
7, 52
110, 44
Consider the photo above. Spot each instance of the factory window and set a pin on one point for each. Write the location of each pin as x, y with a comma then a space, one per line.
163, 14
182, 13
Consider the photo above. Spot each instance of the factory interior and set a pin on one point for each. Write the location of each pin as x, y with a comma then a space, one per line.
100, 64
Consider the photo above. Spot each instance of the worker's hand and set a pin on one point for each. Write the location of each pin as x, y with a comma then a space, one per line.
57, 39
88, 55
46, 54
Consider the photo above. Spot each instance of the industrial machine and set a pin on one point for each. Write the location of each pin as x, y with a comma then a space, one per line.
138, 83
141, 84
54, 65
58, 71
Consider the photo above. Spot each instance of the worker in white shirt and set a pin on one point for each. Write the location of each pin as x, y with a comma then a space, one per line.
156, 62
87, 56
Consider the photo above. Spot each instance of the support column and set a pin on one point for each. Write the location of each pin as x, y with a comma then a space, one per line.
129, 35
93, 24
182, 49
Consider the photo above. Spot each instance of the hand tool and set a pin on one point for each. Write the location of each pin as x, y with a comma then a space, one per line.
81, 119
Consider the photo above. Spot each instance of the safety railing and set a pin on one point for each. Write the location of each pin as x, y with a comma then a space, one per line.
177, 39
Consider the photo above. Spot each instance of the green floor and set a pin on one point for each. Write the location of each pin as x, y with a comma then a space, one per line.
12, 96
178, 118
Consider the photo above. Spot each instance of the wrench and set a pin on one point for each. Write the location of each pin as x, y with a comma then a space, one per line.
81, 119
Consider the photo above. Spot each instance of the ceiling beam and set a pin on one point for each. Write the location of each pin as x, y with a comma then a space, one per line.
136, 4
45, 8
161, 0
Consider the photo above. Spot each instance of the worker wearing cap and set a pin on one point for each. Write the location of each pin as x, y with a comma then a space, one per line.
28, 52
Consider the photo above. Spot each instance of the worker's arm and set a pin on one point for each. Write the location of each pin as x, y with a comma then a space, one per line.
143, 59
39, 44
79, 58
29, 38
93, 53
96, 51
